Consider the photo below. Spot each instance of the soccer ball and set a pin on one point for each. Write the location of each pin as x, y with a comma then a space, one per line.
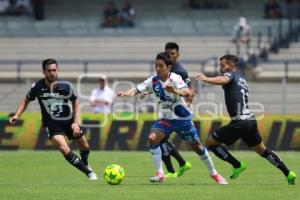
114, 174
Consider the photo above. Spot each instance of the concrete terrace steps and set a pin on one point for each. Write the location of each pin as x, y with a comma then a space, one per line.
115, 49
81, 18
276, 70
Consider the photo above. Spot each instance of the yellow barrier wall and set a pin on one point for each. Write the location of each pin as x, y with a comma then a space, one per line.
129, 132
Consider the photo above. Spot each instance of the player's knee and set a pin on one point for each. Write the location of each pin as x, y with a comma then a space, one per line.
199, 145
260, 149
210, 141
199, 148
153, 139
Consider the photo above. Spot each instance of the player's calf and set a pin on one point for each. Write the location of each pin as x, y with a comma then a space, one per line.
84, 156
76, 162
273, 158
168, 163
223, 154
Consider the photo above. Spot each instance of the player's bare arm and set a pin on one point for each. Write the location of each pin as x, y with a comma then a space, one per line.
217, 80
129, 93
21, 108
76, 116
189, 98
144, 94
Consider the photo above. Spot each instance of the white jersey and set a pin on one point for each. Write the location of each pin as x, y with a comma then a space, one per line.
171, 106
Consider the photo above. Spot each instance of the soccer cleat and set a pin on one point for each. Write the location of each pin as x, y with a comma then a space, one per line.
158, 178
171, 175
236, 171
219, 179
89, 167
291, 178
184, 168
92, 176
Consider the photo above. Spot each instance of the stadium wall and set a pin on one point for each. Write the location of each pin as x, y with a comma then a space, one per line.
128, 131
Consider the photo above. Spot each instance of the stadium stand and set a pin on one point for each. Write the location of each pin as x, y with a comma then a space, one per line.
114, 54
161, 18
71, 34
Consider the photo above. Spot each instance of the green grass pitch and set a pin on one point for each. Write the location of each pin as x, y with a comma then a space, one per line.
45, 175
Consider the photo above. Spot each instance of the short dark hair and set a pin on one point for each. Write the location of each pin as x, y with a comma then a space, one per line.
172, 45
231, 58
47, 62
165, 57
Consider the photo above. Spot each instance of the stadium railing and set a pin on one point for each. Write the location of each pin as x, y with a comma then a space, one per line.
119, 69
129, 69
278, 70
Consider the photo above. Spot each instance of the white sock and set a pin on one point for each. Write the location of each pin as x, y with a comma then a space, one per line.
156, 157
208, 162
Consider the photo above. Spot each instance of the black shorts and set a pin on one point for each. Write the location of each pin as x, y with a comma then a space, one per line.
240, 129
60, 128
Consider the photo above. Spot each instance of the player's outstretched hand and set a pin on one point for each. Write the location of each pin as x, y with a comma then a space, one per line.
120, 94
13, 119
76, 129
128, 93
201, 77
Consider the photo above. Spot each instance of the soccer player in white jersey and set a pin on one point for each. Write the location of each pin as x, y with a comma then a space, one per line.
169, 90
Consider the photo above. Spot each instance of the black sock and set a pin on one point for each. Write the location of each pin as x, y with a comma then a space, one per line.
272, 157
178, 157
223, 154
76, 162
84, 156
175, 153
165, 151
168, 163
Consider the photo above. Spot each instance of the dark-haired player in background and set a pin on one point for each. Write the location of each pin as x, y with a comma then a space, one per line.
168, 148
58, 117
243, 124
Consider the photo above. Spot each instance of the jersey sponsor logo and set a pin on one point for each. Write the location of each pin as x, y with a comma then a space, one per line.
156, 88
249, 116
51, 94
